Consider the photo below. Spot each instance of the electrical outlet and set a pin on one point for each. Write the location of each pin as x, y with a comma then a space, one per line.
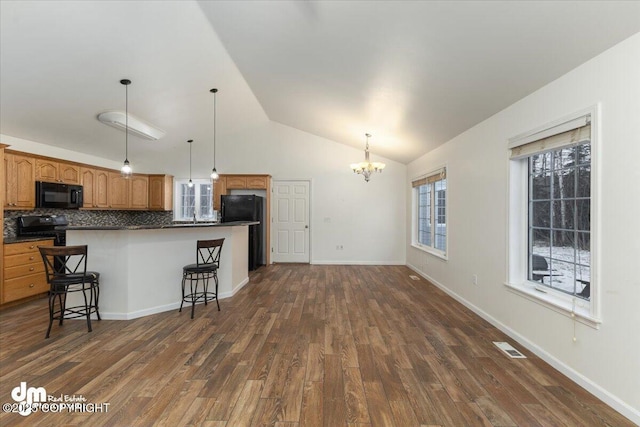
474, 278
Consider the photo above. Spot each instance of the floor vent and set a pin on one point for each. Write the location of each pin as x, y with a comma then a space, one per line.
509, 350
413, 277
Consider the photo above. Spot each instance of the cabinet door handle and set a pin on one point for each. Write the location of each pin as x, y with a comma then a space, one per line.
30, 258
31, 285
31, 269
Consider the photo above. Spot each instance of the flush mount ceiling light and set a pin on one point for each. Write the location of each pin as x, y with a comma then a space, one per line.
366, 168
136, 126
214, 172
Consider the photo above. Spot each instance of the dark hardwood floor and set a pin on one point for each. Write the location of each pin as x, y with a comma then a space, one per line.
299, 345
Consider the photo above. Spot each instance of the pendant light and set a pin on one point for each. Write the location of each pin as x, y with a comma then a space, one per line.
214, 172
190, 184
126, 170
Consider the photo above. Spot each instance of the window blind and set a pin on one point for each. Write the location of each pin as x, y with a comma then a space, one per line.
566, 134
430, 178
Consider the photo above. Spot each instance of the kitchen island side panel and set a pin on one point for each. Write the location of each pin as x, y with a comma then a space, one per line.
141, 270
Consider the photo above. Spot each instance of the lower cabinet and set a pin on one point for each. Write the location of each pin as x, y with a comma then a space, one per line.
23, 270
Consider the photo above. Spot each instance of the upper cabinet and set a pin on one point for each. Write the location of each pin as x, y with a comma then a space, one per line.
95, 183
20, 189
139, 193
236, 182
245, 182
161, 192
102, 188
119, 190
55, 171
257, 182
128, 193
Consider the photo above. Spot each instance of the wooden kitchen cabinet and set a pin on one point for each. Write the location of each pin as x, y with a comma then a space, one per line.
258, 182
23, 270
219, 189
20, 190
53, 171
236, 182
118, 194
128, 193
69, 173
95, 183
139, 192
161, 192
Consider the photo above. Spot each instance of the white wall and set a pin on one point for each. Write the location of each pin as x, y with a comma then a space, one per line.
606, 360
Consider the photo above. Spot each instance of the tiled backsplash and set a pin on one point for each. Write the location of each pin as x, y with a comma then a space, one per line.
82, 217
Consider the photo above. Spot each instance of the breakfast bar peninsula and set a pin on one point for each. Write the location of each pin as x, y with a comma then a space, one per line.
141, 266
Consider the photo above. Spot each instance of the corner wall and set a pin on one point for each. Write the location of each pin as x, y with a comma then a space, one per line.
605, 361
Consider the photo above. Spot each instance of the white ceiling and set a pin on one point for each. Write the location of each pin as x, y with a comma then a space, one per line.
414, 74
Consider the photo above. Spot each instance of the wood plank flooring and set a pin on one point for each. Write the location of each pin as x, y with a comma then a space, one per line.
300, 346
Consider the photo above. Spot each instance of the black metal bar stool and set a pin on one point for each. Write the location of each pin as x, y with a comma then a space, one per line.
205, 268
66, 270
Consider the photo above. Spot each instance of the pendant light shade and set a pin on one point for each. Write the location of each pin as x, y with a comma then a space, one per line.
214, 172
190, 184
126, 170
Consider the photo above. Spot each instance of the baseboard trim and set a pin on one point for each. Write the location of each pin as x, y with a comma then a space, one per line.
343, 262
167, 307
613, 401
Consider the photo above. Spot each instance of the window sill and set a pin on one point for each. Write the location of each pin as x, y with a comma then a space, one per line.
559, 304
432, 251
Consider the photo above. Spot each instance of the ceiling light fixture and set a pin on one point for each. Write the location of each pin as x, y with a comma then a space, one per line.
366, 168
126, 168
190, 184
137, 127
214, 172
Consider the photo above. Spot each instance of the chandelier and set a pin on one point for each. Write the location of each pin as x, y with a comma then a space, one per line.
366, 168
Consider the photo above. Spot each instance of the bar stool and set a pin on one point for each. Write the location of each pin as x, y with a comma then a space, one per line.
205, 268
66, 271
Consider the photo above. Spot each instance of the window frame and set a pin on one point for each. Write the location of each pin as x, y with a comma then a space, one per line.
177, 196
584, 311
415, 241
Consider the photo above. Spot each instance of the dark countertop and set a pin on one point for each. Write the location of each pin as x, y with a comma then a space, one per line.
159, 226
9, 240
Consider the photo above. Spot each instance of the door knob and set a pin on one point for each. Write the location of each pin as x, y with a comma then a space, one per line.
306, 226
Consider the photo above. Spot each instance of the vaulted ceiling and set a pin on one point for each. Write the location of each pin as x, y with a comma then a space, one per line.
414, 74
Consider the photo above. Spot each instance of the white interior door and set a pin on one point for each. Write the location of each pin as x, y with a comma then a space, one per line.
290, 221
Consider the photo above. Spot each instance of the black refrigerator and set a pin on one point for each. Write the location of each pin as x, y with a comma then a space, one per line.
246, 208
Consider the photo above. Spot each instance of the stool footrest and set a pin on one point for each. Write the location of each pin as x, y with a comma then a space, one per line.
200, 296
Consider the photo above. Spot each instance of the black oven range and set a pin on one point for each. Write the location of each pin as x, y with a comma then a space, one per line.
43, 226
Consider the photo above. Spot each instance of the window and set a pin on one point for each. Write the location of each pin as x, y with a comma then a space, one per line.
430, 208
196, 200
550, 236
559, 219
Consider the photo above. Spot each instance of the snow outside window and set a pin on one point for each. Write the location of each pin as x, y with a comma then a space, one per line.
197, 199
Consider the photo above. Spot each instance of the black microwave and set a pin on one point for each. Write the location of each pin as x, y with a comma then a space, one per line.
55, 195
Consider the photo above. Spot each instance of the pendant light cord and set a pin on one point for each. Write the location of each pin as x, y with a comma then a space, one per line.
126, 123
190, 157
214, 129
